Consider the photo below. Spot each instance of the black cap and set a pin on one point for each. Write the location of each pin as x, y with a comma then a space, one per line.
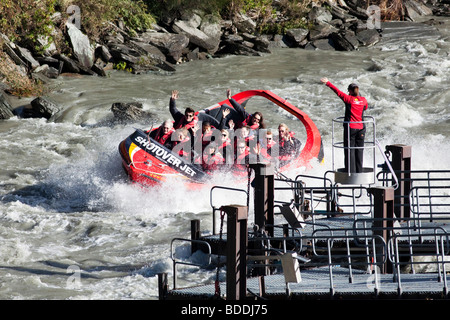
352, 86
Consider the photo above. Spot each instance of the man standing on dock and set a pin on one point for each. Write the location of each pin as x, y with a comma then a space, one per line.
354, 128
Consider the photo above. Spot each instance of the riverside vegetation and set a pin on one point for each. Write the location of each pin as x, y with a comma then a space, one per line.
42, 40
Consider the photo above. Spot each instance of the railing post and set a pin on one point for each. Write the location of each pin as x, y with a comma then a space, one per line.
264, 195
195, 234
237, 241
401, 164
383, 199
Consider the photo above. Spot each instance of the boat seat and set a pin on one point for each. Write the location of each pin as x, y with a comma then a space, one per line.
217, 114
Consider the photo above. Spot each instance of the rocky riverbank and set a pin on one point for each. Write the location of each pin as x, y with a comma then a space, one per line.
338, 25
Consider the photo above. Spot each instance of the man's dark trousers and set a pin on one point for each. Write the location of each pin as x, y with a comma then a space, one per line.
355, 152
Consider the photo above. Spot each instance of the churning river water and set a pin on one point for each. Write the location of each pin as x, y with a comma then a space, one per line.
73, 227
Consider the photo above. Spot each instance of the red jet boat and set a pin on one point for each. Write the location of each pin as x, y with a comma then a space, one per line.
149, 163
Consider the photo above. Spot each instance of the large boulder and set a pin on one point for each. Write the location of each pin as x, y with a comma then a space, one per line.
171, 44
43, 108
82, 49
211, 26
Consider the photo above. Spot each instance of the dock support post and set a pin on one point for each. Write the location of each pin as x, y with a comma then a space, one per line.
237, 241
401, 163
383, 199
163, 285
264, 195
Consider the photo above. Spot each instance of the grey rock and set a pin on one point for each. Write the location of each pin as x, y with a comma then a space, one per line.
5, 107
262, 44
415, 9
172, 45
236, 48
47, 71
319, 14
244, 23
44, 108
9, 48
81, 46
324, 44
51, 62
69, 65
343, 42
197, 36
340, 13
298, 36
368, 37
121, 52
103, 53
26, 56
321, 31
72, 66
129, 111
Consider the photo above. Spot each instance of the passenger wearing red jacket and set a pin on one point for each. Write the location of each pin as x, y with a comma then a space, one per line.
163, 134
354, 128
211, 158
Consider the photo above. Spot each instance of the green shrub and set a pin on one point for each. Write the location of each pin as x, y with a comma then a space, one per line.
23, 21
95, 15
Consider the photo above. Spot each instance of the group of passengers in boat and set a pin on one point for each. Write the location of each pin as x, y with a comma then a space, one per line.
232, 144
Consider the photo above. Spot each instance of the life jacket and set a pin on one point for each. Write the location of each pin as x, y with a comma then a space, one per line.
210, 163
241, 161
286, 151
160, 137
206, 137
247, 122
182, 152
182, 123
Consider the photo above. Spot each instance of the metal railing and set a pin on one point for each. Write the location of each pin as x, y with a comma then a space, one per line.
369, 144
437, 249
216, 207
430, 202
371, 258
176, 261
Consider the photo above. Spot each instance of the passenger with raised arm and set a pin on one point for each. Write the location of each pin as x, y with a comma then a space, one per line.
187, 120
354, 128
254, 121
